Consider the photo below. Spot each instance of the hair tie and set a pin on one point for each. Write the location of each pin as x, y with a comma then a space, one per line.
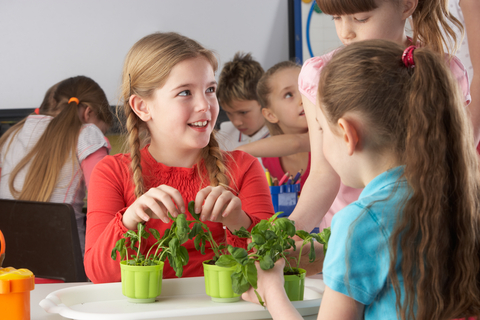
37, 111
74, 99
407, 57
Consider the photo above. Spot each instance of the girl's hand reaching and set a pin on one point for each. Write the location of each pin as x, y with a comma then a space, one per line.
270, 288
155, 203
218, 204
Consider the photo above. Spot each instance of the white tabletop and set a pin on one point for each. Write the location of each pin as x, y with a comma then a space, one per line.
42, 290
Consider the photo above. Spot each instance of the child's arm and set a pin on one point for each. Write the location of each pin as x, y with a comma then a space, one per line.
336, 305
321, 187
471, 10
278, 146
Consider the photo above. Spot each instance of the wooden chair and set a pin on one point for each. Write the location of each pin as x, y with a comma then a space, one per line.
42, 237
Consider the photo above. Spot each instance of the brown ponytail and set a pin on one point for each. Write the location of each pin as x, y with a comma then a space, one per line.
58, 143
418, 114
428, 21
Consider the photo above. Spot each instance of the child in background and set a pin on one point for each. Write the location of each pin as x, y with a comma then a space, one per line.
356, 21
237, 96
418, 164
170, 104
282, 108
49, 155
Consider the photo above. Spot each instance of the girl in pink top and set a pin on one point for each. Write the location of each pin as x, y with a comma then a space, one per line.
356, 21
282, 108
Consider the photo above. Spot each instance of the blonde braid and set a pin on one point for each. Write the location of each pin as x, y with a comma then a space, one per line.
215, 163
133, 129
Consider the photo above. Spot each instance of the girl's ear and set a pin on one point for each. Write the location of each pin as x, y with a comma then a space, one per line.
139, 106
269, 115
409, 7
349, 134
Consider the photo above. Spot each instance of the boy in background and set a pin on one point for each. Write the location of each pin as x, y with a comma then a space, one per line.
237, 96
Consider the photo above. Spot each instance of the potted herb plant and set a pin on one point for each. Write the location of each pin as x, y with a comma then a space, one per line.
218, 280
142, 274
271, 240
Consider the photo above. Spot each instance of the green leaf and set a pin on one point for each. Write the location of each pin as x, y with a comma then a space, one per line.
259, 239
240, 283
242, 233
196, 229
251, 274
226, 261
182, 228
183, 254
155, 233
191, 209
311, 254
239, 254
266, 262
196, 242
303, 234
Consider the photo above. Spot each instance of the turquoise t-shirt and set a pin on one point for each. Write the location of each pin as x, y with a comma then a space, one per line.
359, 245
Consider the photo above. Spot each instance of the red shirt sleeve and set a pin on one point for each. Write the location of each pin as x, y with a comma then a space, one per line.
253, 192
108, 191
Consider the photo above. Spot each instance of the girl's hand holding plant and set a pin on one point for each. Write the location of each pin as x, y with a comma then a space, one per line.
221, 205
270, 284
155, 204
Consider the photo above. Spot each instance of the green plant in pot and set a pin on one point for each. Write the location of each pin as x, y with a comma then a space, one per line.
142, 274
218, 280
271, 240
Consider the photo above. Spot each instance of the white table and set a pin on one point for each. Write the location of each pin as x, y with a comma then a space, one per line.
42, 290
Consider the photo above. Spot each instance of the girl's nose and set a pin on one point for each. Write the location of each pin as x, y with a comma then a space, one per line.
347, 30
203, 104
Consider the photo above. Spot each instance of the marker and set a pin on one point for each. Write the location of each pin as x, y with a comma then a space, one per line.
284, 178
275, 181
269, 178
297, 176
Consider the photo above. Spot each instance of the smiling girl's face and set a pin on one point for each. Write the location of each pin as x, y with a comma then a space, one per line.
285, 101
386, 22
185, 108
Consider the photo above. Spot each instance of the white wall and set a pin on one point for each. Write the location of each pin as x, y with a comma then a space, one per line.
45, 41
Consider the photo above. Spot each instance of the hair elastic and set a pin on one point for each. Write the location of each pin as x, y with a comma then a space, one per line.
74, 99
37, 111
407, 57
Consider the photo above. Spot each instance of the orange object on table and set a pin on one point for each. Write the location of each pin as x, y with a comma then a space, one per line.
15, 287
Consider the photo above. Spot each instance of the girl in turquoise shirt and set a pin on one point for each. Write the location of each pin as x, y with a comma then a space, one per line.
393, 122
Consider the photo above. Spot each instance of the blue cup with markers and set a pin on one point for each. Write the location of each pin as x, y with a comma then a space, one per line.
284, 198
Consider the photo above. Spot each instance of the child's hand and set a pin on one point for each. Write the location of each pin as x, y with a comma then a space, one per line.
221, 205
155, 203
269, 282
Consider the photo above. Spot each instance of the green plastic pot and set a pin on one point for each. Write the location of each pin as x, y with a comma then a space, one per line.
218, 283
295, 285
141, 284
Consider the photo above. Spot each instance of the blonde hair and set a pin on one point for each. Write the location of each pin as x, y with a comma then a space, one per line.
418, 113
264, 90
58, 142
146, 68
428, 20
238, 79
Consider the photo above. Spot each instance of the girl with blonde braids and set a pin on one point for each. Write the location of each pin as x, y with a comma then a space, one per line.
170, 105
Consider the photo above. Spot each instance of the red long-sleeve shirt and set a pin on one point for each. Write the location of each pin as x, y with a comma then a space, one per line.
111, 192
